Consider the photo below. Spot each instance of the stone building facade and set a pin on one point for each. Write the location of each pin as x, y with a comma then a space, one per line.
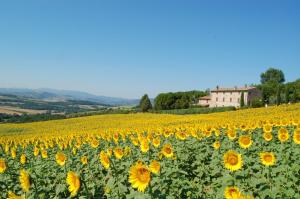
221, 97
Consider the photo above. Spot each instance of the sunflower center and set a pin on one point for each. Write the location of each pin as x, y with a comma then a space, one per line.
268, 158
143, 175
233, 160
246, 141
168, 150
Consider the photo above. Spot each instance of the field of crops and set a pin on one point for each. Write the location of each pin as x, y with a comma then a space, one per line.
252, 153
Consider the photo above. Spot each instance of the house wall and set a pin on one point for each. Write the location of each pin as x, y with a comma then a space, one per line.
231, 98
204, 102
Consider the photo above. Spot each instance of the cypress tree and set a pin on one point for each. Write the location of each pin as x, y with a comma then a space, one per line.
242, 103
145, 103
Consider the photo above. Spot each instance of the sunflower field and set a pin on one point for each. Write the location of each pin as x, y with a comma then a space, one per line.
251, 153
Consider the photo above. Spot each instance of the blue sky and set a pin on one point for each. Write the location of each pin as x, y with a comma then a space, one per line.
128, 48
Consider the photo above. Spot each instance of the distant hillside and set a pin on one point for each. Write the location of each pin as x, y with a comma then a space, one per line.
63, 95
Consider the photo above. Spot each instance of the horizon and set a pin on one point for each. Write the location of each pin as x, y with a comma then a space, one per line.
126, 49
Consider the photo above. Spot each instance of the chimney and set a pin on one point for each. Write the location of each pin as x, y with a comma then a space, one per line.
246, 85
217, 87
235, 87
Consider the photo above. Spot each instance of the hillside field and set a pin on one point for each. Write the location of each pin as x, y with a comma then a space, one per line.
250, 153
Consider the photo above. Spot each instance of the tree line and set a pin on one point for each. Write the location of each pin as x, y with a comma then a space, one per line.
272, 86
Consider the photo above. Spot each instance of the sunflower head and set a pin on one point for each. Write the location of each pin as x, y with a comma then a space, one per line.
232, 160
84, 160
44, 153
154, 167
232, 193
267, 158
268, 136
2, 165
11, 195
118, 152
156, 142
139, 176
296, 136
104, 159
231, 134
24, 179
73, 182
23, 159
60, 158
283, 135
181, 135
167, 150
216, 145
245, 141
144, 146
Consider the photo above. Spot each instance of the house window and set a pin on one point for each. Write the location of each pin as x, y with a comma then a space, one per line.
206, 101
238, 100
230, 99
230, 93
223, 93
216, 99
223, 99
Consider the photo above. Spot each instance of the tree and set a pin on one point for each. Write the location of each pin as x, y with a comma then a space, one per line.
272, 75
145, 103
271, 87
242, 103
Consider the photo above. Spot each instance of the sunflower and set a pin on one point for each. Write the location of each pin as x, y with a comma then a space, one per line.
74, 183
217, 133
167, 150
127, 151
181, 135
2, 165
144, 146
13, 153
283, 135
139, 176
118, 152
268, 136
36, 151
267, 128
104, 159
233, 160
156, 142
61, 158
245, 141
231, 134
232, 193
296, 136
84, 160
216, 145
23, 159
24, 179
154, 167
267, 158
44, 153
94, 143
11, 195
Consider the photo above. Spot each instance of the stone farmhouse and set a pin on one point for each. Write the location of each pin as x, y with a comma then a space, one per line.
221, 97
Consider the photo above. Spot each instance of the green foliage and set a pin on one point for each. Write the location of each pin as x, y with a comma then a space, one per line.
178, 100
202, 110
272, 85
256, 103
272, 75
145, 103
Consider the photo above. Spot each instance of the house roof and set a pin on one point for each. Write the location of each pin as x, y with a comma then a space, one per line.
205, 98
233, 89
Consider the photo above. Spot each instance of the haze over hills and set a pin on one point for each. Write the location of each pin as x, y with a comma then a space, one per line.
48, 94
